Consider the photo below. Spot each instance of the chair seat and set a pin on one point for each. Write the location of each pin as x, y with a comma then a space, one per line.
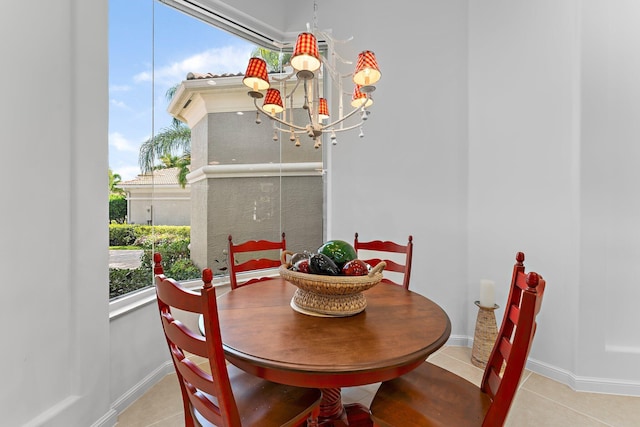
432, 396
264, 403
429, 388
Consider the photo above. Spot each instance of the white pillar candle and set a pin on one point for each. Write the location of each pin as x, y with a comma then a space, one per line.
487, 293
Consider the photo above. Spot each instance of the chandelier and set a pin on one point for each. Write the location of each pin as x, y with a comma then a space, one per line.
308, 68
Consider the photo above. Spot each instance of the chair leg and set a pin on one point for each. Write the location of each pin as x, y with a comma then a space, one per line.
312, 420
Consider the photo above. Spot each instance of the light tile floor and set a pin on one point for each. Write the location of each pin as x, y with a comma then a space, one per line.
539, 400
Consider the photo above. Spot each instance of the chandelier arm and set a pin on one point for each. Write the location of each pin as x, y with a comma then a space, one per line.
344, 61
326, 35
342, 119
290, 95
288, 130
260, 109
283, 79
338, 130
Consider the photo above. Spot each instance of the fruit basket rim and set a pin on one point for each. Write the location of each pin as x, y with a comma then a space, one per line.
374, 276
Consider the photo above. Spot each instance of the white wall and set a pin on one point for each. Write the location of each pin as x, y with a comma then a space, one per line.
408, 175
610, 227
553, 130
524, 158
55, 357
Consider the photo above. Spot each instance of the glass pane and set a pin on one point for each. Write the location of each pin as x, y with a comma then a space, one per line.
242, 181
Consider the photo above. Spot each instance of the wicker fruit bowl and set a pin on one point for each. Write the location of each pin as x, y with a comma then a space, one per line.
331, 296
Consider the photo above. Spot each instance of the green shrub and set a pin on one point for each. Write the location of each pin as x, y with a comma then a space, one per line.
137, 234
121, 235
172, 246
123, 280
183, 269
117, 208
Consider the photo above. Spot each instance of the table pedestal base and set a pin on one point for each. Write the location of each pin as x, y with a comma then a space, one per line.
334, 414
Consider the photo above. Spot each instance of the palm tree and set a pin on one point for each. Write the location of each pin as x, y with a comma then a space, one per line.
170, 140
114, 179
177, 137
275, 60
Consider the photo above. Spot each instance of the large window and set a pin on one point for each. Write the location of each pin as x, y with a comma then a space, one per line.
240, 181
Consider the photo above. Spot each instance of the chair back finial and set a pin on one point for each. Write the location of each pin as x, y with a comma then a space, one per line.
533, 279
157, 264
207, 278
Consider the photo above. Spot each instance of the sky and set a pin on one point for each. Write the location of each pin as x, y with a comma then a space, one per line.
152, 47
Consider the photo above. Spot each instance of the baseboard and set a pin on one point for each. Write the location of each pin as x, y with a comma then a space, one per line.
109, 419
575, 382
133, 394
584, 384
460, 341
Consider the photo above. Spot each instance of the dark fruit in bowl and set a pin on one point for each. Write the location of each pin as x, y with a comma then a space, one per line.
355, 267
298, 256
301, 265
322, 264
339, 251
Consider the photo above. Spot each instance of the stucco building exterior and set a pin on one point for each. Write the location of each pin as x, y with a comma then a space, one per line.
157, 198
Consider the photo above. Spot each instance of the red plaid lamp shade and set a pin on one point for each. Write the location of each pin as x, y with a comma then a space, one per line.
273, 102
323, 109
305, 55
256, 75
358, 98
367, 71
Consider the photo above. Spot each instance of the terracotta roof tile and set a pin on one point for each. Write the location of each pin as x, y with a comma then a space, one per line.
196, 76
160, 177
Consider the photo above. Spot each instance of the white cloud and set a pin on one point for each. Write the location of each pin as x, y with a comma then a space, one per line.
119, 88
127, 172
119, 104
142, 77
120, 143
228, 59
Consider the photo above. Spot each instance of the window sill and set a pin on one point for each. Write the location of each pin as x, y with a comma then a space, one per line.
143, 297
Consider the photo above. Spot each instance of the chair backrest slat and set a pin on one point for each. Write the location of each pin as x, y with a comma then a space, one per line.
514, 314
183, 338
391, 264
257, 264
260, 249
505, 348
194, 375
493, 382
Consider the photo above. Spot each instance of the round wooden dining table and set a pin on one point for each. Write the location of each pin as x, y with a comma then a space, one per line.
265, 336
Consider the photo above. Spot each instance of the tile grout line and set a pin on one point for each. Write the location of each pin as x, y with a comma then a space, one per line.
522, 386
568, 407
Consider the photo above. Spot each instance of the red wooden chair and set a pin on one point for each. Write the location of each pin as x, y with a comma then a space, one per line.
264, 257
432, 396
214, 392
395, 266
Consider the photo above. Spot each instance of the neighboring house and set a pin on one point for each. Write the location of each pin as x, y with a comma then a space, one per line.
157, 197
243, 183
